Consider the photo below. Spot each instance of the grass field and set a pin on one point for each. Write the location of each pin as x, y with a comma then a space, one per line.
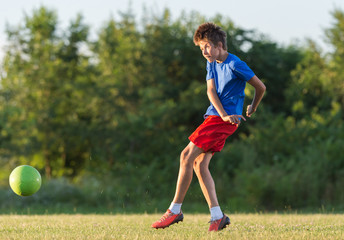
244, 226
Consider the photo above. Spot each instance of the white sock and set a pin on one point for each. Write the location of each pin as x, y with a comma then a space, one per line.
216, 213
175, 207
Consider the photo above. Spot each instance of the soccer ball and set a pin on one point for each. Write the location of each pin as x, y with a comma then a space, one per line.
25, 180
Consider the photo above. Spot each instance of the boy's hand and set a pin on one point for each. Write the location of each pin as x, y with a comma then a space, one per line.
233, 119
250, 111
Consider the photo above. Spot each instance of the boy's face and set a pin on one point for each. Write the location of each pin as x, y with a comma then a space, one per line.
209, 51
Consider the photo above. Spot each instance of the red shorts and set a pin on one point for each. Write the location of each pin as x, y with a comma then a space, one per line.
211, 135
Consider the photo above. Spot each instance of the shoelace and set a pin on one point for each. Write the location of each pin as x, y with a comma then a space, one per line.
165, 216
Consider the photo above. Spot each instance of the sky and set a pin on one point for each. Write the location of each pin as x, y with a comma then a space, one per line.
283, 21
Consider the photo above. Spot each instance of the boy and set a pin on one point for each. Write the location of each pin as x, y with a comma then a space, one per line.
226, 80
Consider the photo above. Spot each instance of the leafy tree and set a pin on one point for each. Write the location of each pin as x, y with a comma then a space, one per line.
335, 37
42, 70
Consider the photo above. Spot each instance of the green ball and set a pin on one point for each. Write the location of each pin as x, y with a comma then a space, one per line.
25, 180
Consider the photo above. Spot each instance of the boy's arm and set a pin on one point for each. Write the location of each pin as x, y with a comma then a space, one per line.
258, 94
214, 99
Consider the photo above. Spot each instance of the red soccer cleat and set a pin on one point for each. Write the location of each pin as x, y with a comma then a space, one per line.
168, 219
219, 224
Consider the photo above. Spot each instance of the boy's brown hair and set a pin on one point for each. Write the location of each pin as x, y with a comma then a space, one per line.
210, 32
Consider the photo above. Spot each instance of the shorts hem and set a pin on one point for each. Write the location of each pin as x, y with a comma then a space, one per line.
211, 135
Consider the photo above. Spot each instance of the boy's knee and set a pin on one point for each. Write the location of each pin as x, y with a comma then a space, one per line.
185, 158
200, 166
197, 167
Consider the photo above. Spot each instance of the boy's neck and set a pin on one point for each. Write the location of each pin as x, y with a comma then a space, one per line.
222, 57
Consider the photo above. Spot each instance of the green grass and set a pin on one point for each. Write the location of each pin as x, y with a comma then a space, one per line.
194, 226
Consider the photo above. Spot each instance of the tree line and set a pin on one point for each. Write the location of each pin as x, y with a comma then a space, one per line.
112, 114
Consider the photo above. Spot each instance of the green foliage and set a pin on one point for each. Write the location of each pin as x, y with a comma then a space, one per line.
109, 117
302, 167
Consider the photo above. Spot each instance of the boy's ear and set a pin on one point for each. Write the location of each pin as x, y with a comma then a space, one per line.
219, 45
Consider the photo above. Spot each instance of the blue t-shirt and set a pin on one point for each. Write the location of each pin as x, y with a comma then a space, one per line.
230, 79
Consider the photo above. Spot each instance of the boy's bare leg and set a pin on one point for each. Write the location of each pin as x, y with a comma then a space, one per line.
187, 159
201, 167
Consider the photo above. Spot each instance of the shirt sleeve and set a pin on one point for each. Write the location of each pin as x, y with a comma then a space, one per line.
242, 71
210, 71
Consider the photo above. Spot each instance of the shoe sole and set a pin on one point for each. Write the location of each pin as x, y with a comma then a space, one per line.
177, 220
